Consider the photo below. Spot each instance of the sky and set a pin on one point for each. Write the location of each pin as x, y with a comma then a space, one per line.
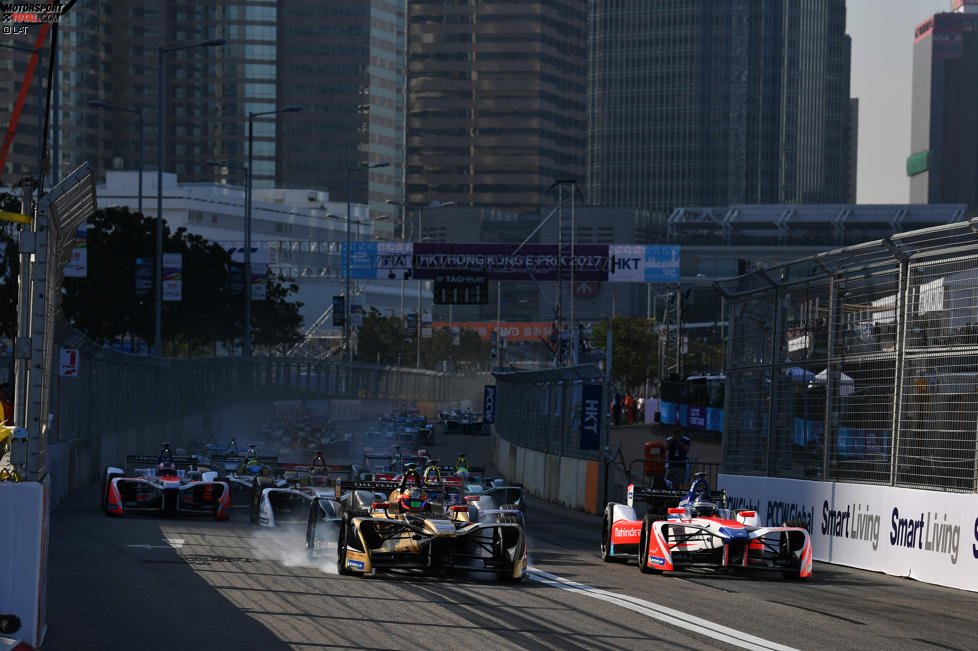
882, 76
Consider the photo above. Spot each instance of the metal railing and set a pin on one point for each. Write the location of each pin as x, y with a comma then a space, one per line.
114, 391
541, 410
859, 364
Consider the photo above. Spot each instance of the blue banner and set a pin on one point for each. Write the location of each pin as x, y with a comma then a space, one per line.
591, 396
489, 404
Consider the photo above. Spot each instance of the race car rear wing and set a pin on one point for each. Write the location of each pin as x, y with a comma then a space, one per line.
329, 468
358, 484
148, 461
269, 461
670, 498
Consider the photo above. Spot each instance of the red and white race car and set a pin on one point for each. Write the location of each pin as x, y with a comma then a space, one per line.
700, 532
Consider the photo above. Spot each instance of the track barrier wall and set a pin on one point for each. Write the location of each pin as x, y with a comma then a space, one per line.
571, 482
900, 531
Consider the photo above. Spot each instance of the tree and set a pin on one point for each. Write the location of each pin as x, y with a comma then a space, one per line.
383, 340
634, 351
106, 306
470, 351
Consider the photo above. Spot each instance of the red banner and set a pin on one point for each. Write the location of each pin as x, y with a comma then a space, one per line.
511, 331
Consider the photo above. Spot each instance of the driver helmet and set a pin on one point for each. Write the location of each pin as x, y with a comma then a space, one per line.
319, 459
413, 499
252, 465
703, 509
166, 471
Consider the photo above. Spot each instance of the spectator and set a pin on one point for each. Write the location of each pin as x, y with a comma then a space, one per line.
629, 408
677, 456
616, 406
7, 403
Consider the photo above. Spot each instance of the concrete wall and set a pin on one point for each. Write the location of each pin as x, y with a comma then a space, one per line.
562, 480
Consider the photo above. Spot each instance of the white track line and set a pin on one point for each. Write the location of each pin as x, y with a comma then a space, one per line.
662, 613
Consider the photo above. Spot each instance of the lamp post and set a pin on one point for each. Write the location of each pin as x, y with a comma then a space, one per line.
38, 68
346, 291
158, 325
112, 107
246, 346
419, 208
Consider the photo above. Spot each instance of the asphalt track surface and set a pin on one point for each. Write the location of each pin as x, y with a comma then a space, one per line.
149, 583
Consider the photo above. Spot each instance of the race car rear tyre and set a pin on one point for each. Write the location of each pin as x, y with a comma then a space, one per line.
341, 539
643, 547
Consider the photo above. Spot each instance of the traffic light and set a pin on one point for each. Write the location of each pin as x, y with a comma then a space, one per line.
339, 311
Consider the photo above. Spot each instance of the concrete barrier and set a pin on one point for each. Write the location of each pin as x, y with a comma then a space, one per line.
25, 514
562, 480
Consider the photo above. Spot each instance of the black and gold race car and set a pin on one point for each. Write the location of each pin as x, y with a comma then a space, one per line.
421, 524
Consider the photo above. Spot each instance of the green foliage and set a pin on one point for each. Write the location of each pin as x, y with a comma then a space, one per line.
106, 307
385, 340
635, 349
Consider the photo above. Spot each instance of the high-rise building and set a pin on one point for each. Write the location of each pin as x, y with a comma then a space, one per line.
943, 163
496, 97
717, 102
342, 61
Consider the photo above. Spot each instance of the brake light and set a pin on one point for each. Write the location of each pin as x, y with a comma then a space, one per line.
459, 508
381, 505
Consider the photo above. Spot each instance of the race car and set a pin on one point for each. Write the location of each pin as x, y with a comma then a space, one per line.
702, 533
621, 526
167, 484
286, 493
418, 527
241, 470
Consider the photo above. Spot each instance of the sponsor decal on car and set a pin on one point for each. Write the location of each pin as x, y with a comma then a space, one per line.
655, 560
625, 532
354, 565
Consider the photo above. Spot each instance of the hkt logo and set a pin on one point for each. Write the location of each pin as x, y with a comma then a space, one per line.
31, 12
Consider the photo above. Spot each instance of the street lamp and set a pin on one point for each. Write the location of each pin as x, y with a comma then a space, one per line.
112, 107
419, 208
40, 109
247, 243
158, 326
346, 294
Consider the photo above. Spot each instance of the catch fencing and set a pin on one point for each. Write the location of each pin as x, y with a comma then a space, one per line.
858, 364
114, 391
541, 410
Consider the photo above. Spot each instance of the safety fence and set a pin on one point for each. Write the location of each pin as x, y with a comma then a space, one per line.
858, 364
542, 410
695, 403
110, 391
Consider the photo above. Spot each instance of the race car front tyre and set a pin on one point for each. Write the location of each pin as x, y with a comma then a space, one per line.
344, 533
643, 547
606, 524
107, 480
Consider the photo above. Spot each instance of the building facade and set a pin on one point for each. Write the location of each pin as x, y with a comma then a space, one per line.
341, 61
495, 101
713, 102
943, 164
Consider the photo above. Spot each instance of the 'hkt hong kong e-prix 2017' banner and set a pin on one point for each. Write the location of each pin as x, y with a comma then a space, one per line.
372, 260
644, 263
637, 263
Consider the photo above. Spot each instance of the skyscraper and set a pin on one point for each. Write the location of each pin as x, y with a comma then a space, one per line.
713, 102
341, 60
943, 162
496, 94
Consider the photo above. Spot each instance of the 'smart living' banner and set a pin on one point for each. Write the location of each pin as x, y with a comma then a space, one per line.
650, 263
920, 534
